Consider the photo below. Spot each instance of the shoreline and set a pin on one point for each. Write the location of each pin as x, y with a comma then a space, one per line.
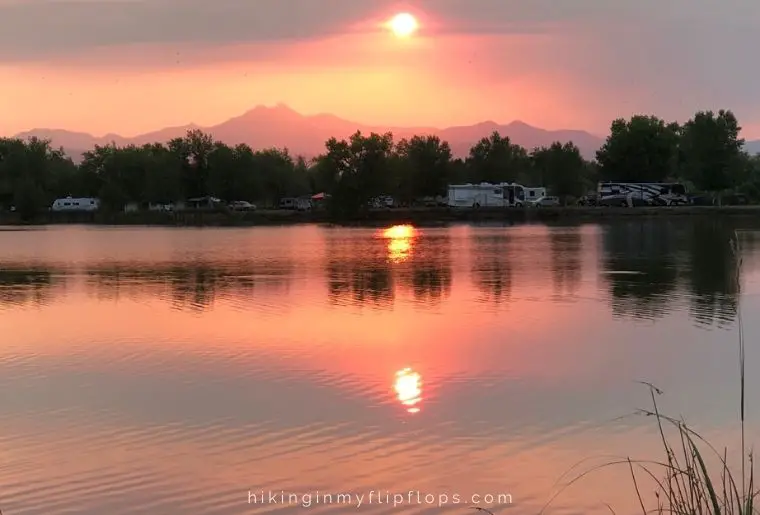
379, 216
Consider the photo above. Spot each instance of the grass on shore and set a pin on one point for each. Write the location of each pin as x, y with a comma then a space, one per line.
684, 483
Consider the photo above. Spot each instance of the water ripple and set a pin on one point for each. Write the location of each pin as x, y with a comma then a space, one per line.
172, 371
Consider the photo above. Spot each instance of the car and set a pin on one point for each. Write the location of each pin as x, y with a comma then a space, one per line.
383, 201
241, 205
701, 200
545, 202
613, 201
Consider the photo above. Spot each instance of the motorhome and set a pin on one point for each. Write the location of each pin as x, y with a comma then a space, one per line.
649, 193
76, 204
505, 194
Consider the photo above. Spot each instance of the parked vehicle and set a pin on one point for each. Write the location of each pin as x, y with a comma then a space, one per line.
642, 193
545, 202
382, 201
241, 205
492, 195
160, 207
296, 203
303, 203
619, 200
76, 204
701, 200
733, 199
531, 195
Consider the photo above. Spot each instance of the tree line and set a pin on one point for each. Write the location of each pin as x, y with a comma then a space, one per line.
706, 153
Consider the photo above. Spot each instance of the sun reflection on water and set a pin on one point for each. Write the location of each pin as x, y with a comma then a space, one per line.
408, 386
401, 240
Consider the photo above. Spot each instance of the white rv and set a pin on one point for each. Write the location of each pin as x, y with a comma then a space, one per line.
505, 194
76, 204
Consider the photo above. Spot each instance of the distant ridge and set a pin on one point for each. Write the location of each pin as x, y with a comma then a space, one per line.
280, 126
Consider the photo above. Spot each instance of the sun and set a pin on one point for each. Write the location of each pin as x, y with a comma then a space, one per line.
403, 25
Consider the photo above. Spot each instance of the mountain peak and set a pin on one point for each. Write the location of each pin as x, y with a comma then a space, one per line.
279, 107
280, 112
519, 124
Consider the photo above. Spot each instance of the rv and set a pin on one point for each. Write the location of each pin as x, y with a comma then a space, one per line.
76, 204
649, 193
505, 194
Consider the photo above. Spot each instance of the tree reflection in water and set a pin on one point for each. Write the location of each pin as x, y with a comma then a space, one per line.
652, 266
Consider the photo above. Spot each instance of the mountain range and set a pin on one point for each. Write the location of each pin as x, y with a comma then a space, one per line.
280, 126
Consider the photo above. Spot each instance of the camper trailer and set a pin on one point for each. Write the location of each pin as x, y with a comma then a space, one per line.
76, 204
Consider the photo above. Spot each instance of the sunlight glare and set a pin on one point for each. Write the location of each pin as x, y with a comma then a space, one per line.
399, 250
398, 232
408, 388
403, 25
400, 242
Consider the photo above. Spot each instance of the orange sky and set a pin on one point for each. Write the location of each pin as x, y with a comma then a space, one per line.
374, 79
104, 70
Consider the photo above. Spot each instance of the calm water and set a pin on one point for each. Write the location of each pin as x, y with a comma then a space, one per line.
172, 371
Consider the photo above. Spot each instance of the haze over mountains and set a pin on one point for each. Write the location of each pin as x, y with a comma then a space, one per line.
281, 126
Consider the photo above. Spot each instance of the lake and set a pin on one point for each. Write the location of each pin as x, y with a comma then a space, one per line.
174, 371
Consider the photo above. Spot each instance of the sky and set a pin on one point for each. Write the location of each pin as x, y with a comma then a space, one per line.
132, 66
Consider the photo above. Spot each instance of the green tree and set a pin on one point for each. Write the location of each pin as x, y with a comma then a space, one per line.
299, 180
361, 167
65, 178
28, 197
30, 172
496, 159
642, 149
459, 172
193, 153
561, 168
428, 161
711, 151
250, 181
323, 174
163, 175
750, 183
13, 167
223, 181
276, 168
109, 165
